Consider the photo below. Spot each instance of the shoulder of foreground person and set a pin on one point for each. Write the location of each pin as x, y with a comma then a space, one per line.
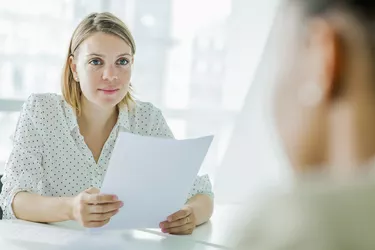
321, 215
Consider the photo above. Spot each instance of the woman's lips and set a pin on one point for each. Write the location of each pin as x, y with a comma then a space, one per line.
108, 91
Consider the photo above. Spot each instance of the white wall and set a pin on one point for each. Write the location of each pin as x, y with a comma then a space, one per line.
253, 159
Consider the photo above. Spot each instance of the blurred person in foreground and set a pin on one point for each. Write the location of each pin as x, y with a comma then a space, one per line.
324, 109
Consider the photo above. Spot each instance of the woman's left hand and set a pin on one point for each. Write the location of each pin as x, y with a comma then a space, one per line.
182, 222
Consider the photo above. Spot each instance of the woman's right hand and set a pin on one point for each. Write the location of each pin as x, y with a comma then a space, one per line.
92, 209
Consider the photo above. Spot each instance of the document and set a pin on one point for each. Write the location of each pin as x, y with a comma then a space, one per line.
152, 176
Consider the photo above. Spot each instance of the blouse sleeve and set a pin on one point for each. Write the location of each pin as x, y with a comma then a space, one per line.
23, 170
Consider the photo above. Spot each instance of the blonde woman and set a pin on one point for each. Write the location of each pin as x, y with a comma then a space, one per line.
63, 144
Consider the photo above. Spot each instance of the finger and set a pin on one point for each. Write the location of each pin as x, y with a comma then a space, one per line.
93, 224
177, 223
101, 217
177, 230
92, 190
100, 198
105, 208
178, 215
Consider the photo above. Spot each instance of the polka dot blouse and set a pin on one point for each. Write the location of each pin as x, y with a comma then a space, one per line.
51, 158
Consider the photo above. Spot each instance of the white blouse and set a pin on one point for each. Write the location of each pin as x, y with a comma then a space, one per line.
51, 158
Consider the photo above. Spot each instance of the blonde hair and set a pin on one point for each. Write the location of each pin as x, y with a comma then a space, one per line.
96, 22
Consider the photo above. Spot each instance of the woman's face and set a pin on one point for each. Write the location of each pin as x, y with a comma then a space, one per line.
103, 66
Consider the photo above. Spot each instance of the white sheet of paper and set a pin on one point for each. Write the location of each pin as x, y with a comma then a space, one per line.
152, 176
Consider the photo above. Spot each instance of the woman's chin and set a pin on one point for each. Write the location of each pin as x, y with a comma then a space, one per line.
111, 99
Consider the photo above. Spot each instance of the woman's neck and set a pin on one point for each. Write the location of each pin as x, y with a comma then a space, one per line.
94, 118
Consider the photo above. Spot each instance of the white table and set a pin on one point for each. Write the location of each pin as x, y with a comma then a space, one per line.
21, 235
219, 232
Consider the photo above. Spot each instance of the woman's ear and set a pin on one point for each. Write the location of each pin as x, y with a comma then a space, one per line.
73, 67
326, 53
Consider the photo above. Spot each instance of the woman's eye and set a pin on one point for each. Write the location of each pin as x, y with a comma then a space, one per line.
123, 61
95, 62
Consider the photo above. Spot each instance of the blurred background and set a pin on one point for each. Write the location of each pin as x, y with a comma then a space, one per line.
195, 60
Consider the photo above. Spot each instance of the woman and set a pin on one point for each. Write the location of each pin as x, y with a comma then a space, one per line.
63, 144
324, 103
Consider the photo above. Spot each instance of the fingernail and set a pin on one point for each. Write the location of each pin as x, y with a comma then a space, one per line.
115, 197
121, 204
169, 219
164, 230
